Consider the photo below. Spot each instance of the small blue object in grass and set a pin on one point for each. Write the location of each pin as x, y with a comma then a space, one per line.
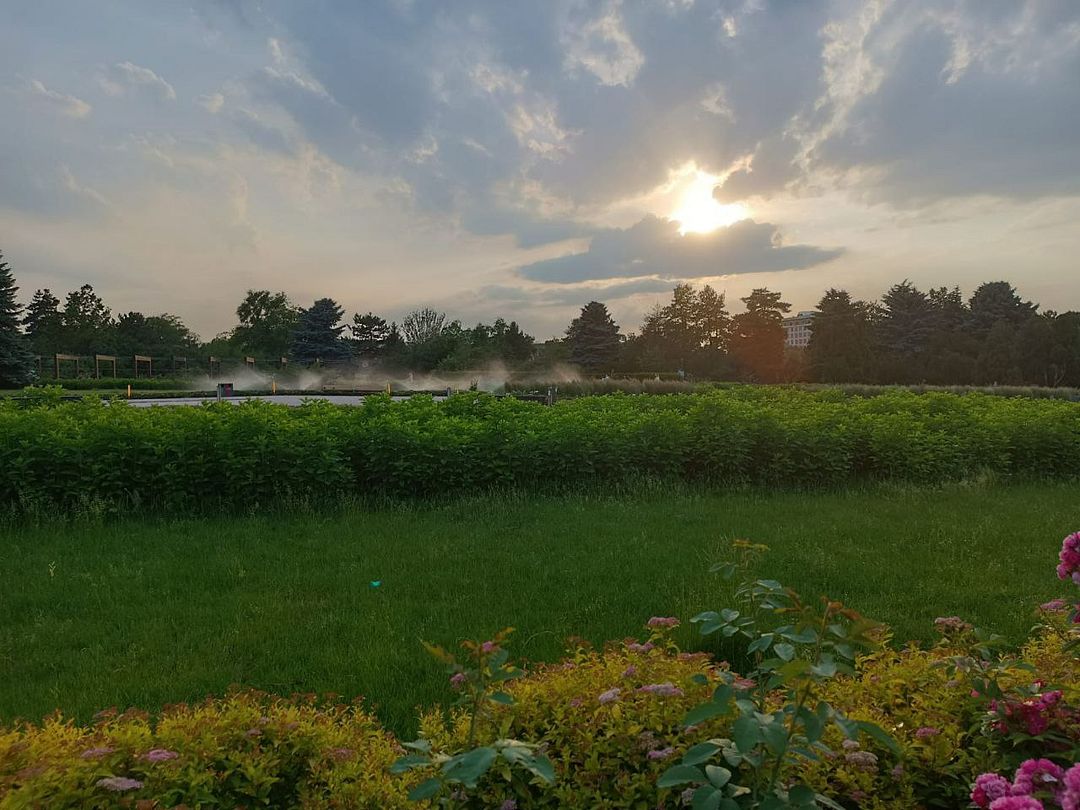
375, 583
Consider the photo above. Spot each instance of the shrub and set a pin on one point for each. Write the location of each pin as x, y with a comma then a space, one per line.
257, 453
245, 750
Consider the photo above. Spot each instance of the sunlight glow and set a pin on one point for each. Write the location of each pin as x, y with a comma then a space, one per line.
697, 211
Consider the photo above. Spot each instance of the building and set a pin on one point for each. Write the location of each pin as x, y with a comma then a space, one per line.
797, 330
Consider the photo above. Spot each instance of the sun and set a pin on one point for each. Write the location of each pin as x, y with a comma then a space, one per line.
697, 211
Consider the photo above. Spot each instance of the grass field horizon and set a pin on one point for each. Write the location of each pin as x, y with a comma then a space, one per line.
148, 612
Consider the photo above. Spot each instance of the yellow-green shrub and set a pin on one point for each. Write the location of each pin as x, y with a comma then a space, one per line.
600, 750
249, 750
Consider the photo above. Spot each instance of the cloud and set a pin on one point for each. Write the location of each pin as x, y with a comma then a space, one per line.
211, 103
572, 294
602, 47
653, 247
60, 102
125, 76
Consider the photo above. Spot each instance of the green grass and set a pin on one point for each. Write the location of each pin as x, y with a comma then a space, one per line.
150, 612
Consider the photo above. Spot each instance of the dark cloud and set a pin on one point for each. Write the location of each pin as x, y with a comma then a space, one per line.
654, 247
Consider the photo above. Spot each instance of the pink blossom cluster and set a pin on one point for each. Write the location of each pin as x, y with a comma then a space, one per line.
1069, 567
1035, 778
662, 621
664, 689
1034, 715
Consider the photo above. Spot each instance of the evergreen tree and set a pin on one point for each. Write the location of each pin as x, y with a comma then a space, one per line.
43, 322
758, 342
593, 338
369, 334
16, 359
841, 340
997, 302
904, 330
318, 333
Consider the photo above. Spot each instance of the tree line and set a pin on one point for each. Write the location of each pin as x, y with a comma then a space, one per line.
909, 336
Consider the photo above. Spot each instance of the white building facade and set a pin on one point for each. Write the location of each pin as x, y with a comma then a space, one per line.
797, 330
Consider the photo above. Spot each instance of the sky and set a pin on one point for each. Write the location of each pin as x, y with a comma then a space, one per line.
509, 158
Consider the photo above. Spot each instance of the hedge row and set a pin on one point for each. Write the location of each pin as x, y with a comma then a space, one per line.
254, 750
63, 456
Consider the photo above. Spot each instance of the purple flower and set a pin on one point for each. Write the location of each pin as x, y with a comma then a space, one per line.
119, 783
897, 772
951, 624
665, 689
927, 731
96, 753
660, 753
1016, 803
630, 671
509, 804
609, 695
850, 745
159, 755
1036, 774
662, 621
988, 787
634, 646
1070, 800
687, 797
488, 647
341, 753
458, 680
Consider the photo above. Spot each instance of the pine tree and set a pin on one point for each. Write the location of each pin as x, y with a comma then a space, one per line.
16, 360
593, 338
318, 333
758, 343
369, 334
43, 322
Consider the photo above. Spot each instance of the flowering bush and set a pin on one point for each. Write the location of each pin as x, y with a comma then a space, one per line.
244, 750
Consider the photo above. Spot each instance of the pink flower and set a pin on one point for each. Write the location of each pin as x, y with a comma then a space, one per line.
951, 624
96, 753
609, 695
1069, 567
458, 680
744, 683
1035, 775
927, 731
660, 753
634, 646
509, 804
664, 689
119, 783
662, 621
159, 755
341, 753
1016, 803
488, 647
989, 786
1070, 799
630, 671
1054, 606
863, 760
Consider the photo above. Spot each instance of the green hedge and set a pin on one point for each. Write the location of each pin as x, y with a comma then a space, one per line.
256, 452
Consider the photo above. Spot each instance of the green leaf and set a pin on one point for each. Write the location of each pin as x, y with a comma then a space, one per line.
784, 650
468, 767
680, 775
718, 776
746, 733
761, 643
705, 711
501, 697
807, 635
879, 734
419, 745
407, 763
801, 794
702, 752
425, 790
706, 798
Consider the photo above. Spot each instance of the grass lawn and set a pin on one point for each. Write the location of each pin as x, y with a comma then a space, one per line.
151, 612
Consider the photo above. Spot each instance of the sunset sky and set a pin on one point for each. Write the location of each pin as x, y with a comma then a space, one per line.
514, 158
